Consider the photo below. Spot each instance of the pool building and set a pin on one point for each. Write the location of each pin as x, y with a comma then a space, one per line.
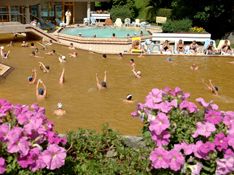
25, 11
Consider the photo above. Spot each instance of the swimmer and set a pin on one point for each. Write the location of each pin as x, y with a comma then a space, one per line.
73, 54
42, 45
121, 55
10, 44
128, 99
211, 87
24, 44
132, 62
49, 43
232, 62
137, 74
40, 92
53, 52
104, 56
45, 69
71, 46
36, 50
103, 84
194, 67
59, 111
169, 59
62, 79
32, 45
62, 59
4, 54
34, 55
32, 78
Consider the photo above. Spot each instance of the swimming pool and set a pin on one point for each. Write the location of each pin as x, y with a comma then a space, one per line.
104, 32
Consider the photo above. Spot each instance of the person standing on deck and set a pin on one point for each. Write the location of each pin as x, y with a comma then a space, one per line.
68, 17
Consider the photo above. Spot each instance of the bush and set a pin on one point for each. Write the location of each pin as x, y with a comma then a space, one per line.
164, 12
185, 139
183, 25
198, 30
121, 12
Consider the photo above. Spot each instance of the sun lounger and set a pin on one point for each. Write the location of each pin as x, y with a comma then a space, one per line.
137, 23
127, 21
118, 22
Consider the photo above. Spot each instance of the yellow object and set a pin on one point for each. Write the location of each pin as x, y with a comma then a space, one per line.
136, 50
136, 38
161, 19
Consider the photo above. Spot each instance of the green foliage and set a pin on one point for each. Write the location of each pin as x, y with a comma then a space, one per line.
104, 153
183, 25
164, 12
121, 12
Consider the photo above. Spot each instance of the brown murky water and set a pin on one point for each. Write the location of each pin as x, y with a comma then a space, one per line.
89, 108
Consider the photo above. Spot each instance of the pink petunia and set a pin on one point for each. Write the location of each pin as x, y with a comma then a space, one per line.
204, 129
213, 116
191, 107
159, 158
2, 165
162, 139
20, 146
54, 156
221, 141
176, 160
160, 124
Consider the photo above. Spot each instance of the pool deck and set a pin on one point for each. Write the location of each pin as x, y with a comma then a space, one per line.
4, 70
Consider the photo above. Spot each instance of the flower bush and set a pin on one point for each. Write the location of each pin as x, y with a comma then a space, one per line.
28, 140
186, 139
197, 30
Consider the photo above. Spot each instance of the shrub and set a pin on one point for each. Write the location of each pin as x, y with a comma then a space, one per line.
28, 141
164, 12
197, 30
121, 12
183, 25
185, 139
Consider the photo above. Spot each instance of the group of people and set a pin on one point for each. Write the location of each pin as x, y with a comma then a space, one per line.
194, 48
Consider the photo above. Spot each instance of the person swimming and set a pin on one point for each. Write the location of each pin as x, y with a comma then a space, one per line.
73, 54
103, 84
104, 56
214, 89
4, 54
128, 99
71, 46
24, 44
44, 68
40, 92
53, 52
62, 59
132, 62
59, 111
194, 67
137, 74
121, 55
32, 78
62, 79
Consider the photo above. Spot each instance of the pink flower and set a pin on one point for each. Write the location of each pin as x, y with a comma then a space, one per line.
54, 156
191, 107
2, 165
195, 169
33, 160
159, 158
5, 107
221, 141
4, 129
176, 160
214, 117
228, 153
21, 146
203, 149
160, 124
228, 118
162, 139
202, 102
204, 129
231, 141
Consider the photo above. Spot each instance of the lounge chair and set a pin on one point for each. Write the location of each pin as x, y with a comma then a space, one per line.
127, 21
93, 20
137, 23
86, 21
118, 22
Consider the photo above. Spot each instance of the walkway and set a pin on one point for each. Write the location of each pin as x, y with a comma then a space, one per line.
16, 27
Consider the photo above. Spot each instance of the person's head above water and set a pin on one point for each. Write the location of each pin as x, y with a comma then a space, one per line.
71, 44
104, 55
53, 51
40, 91
103, 84
139, 73
132, 60
59, 105
47, 67
32, 44
129, 97
30, 78
216, 88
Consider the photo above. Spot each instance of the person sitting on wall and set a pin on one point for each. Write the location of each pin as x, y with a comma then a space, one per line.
180, 47
193, 47
165, 48
226, 48
103, 84
210, 50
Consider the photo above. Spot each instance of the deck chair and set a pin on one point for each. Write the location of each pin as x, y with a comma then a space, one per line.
127, 21
86, 21
137, 23
118, 22
93, 20
136, 45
